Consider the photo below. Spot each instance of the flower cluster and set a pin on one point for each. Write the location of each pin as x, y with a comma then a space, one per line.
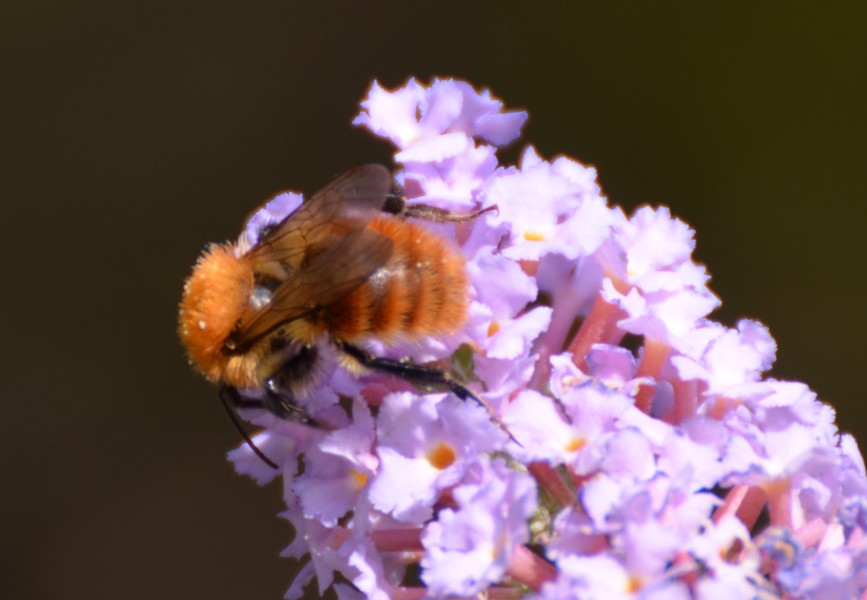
649, 456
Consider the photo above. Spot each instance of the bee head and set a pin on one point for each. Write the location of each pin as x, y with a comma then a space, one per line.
214, 298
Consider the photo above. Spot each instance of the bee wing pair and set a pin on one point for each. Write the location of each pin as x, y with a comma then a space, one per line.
325, 247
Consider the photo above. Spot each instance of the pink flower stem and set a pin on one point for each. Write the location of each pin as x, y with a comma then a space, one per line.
779, 502
685, 564
600, 326
502, 593
652, 360
530, 569
407, 593
743, 501
685, 401
550, 480
564, 310
397, 540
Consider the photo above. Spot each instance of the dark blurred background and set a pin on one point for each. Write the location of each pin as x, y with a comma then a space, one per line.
131, 135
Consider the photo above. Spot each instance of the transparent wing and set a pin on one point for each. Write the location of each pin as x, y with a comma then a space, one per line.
325, 248
345, 204
330, 276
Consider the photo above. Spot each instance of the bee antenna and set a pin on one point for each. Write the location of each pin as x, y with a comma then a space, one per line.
229, 396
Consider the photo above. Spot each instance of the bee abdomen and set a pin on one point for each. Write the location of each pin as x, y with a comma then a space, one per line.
420, 291
435, 282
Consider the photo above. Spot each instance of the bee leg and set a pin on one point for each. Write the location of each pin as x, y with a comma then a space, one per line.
422, 375
281, 405
396, 204
295, 373
441, 215
231, 399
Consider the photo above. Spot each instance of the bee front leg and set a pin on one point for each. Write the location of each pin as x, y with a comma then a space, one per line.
231, 399
283, 406
396, 204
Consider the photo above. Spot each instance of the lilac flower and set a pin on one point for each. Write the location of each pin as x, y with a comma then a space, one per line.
274, 211
567, 215
339, 468
731, 561
426, 446
435, 131
471, 547
628, 474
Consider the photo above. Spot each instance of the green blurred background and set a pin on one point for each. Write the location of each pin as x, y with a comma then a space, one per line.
131, 135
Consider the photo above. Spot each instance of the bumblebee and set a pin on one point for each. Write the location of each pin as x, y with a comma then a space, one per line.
345, 268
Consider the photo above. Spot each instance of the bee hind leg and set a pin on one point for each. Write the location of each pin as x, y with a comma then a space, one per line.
422, 375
